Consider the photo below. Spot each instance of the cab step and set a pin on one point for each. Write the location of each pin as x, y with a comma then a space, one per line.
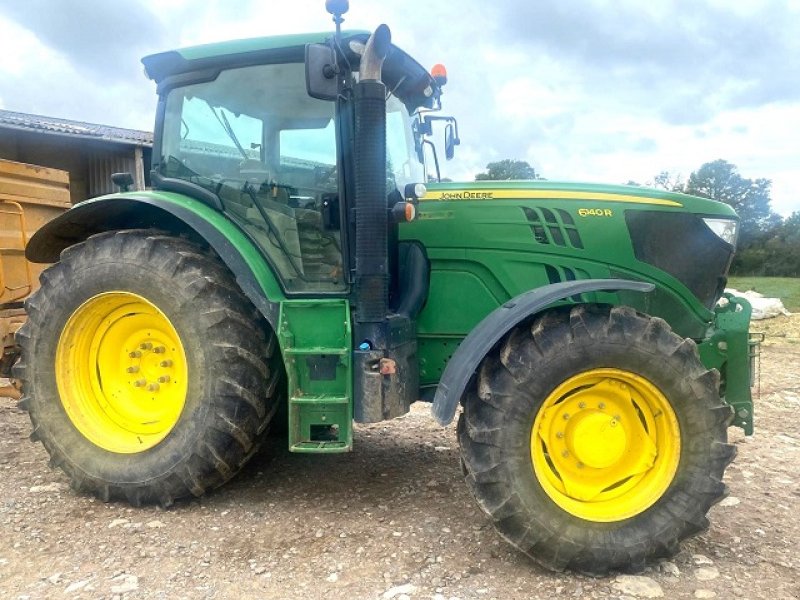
315, 339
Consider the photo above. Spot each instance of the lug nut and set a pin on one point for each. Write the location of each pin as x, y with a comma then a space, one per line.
560, 434
165, 363
145, 346
566, 416
135, 354
565, 454
140, 382
159, 349
132, 369
581, 404
163, 379
153, 387
601, 406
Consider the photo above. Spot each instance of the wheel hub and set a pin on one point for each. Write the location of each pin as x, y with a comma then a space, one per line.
596, 439
121, 372
151, 364
605, 444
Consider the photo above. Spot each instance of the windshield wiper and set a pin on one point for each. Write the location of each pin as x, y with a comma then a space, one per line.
226, 125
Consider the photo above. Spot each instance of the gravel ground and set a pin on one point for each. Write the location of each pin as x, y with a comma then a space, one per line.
391, 520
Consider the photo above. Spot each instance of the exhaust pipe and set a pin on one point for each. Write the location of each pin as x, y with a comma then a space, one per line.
385, 367
372, 221
374, 54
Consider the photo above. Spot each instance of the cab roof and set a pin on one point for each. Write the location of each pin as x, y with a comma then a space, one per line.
407, 79
174, 62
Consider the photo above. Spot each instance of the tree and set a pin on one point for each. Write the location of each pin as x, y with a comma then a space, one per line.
783, 249
768, 245
507, 169
667, 181
720, 180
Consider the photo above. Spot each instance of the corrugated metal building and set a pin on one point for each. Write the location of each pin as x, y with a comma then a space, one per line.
90, 152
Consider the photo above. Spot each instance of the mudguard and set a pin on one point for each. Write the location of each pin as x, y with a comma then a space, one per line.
170, 212
498, 323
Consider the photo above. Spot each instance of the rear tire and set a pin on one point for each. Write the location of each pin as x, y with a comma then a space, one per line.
617, 495
147, 374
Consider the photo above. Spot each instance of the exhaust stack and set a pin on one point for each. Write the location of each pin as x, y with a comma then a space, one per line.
372, 224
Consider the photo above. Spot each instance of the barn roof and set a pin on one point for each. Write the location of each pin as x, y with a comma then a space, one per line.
65, 127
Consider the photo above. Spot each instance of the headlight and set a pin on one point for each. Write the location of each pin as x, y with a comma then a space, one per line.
726, 229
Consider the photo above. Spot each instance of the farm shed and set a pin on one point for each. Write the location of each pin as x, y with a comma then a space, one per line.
89, 152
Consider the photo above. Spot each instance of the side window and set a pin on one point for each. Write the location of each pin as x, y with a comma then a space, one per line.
256, 139
206, 145
310, 146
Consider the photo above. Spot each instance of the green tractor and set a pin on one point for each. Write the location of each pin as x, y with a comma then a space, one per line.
288, 268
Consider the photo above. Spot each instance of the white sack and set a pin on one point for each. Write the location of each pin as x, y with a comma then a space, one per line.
763, 308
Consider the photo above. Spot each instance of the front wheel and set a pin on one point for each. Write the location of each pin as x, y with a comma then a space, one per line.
595, 439
147, 374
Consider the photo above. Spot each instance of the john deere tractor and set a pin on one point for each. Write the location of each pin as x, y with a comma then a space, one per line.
288, 267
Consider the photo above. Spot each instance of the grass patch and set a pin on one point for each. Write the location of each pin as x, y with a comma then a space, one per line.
785, 288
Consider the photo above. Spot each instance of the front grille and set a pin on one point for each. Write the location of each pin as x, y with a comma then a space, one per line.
682, 245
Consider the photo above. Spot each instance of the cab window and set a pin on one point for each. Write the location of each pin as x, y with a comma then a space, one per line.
256, 139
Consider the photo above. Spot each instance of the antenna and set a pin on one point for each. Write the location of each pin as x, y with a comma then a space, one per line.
337, 8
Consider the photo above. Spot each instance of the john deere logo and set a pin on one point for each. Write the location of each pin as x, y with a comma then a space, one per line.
467, 195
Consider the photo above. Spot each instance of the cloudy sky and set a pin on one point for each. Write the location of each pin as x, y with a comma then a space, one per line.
582, 89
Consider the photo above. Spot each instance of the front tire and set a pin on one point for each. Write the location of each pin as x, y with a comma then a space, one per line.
147, 374
595, 439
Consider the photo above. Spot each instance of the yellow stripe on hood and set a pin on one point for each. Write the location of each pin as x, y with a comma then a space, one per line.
586, 196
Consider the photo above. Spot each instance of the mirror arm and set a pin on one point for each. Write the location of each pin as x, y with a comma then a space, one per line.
435, 158
429, 119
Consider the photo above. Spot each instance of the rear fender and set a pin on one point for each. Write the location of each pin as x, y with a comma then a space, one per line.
493, 328
175, 214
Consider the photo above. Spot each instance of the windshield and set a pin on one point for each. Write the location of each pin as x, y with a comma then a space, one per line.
403, 164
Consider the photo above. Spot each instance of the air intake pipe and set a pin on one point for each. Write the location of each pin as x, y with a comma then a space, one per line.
372, 219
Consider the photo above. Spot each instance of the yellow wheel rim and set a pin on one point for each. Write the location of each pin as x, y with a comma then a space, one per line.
605, 445
121, 372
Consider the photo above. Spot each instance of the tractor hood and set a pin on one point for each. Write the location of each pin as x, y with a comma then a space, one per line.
579, 230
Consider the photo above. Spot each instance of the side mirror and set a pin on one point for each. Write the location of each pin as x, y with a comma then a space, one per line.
321, 79
450, 141
124, 181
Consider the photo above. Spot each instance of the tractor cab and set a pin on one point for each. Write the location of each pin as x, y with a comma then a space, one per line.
239, 127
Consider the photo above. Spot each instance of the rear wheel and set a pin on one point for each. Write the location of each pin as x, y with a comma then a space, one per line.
147, 374
595, 439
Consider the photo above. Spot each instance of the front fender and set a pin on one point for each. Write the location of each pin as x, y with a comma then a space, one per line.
170, 212
494, 327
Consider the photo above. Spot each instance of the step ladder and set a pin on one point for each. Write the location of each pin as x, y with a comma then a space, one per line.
315, 339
